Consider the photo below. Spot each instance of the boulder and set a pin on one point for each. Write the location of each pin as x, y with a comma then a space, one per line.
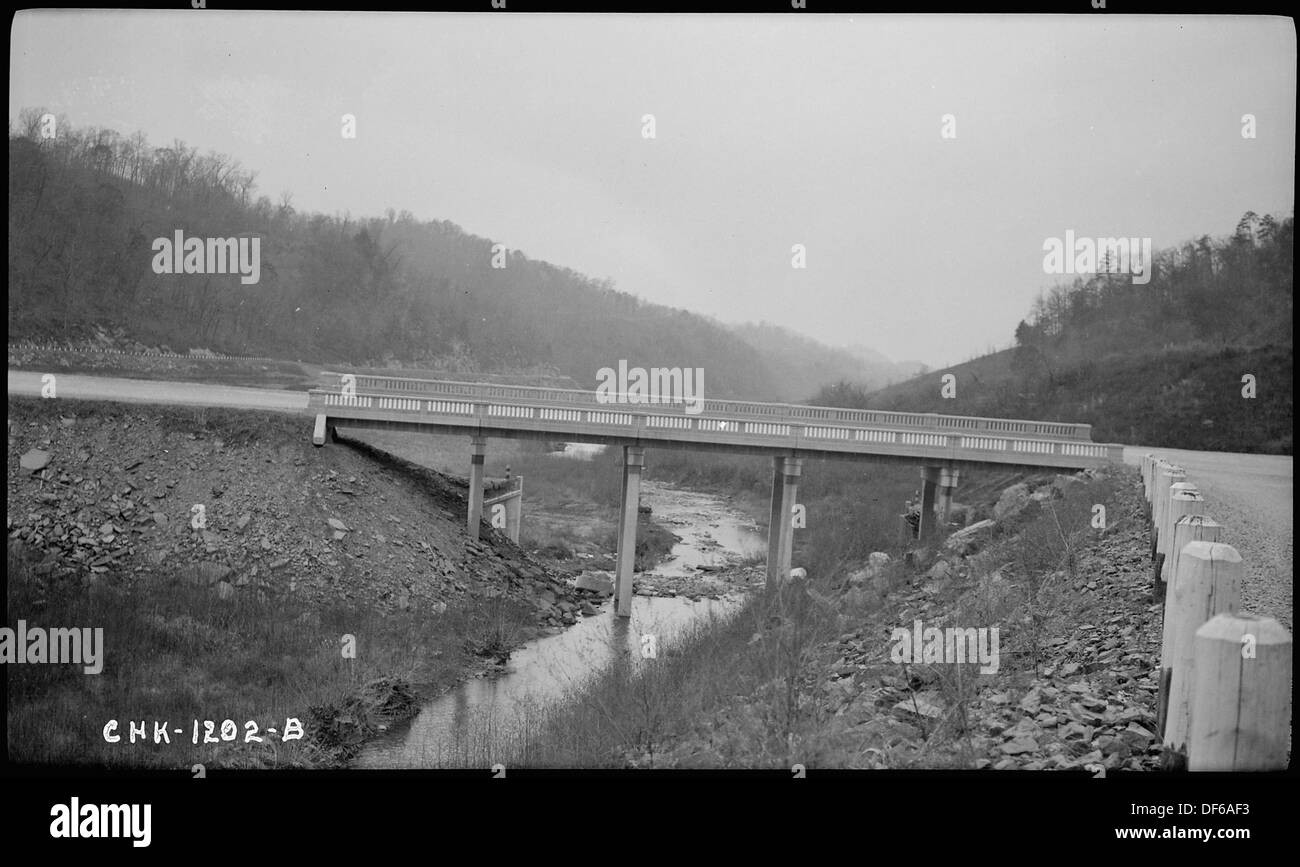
34, 460
969, 539
595, 582
1061, 482
940, 571
1012, 502
225, 589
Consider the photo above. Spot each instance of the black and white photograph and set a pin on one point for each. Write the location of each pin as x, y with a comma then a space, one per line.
648, 395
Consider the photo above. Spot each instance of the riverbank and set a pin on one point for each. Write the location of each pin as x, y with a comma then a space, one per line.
240, 574
809, 675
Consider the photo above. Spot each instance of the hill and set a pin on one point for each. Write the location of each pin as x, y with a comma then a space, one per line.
1165, 364
86, 209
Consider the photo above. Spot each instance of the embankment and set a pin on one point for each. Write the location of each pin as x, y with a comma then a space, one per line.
241, 574
814, 674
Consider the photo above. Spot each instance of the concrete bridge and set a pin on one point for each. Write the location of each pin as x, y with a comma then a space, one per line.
941, 444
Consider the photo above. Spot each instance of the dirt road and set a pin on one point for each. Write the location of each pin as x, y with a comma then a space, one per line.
1251, 496
70, 385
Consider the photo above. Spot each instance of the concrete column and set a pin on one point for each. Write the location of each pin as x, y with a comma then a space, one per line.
318, 434
515, 511
633, 461
929, 478
478, 450
947, 484
780, 530
774, 520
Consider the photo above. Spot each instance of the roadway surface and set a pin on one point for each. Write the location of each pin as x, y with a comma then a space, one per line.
1250, 495
153, 391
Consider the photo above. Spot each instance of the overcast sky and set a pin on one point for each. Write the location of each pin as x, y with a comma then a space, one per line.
770, 131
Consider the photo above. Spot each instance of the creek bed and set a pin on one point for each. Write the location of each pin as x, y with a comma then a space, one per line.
486, 720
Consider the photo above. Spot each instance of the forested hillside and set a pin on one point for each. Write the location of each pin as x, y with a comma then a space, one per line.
1156, 364
86, 205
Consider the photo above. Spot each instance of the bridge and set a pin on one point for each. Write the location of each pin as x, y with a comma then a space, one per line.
942, 444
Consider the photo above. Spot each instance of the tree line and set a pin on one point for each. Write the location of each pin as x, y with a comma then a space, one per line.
86, 204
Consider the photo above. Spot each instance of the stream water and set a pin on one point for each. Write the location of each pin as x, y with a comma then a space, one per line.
486, 720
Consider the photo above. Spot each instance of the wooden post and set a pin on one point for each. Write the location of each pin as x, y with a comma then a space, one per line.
1190, 528
1165, 476
1184, 499
1159, 542
633, 460
1209, 583
1241, 703
478, 449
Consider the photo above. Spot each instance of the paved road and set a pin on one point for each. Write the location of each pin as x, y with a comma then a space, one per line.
152, 391
1251, 496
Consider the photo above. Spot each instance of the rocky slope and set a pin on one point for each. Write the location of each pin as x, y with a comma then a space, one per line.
242, 502
1075, 687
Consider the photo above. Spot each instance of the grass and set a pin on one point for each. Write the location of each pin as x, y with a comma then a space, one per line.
752, 690
176, 652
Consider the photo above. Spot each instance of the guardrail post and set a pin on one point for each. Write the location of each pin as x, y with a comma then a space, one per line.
478, 450
625, 559
1209, 583
1241, 705
1184, 499
1165, 476
1190, 528
1164, 534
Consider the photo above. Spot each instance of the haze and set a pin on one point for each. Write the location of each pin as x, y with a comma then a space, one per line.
770, 131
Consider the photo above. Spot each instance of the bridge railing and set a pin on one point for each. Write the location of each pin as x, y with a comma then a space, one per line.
775, 412
649, 422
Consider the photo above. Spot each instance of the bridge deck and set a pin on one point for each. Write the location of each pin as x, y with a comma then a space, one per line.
521, 411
